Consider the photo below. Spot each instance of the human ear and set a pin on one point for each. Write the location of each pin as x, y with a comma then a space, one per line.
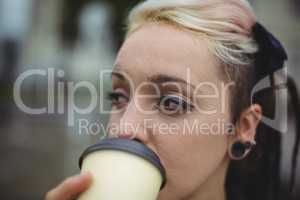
248, 122
244, 137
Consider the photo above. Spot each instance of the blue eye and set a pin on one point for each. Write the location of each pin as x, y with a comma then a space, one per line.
117, 99
172, 104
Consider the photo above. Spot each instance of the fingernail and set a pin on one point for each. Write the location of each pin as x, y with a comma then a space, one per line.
86, 175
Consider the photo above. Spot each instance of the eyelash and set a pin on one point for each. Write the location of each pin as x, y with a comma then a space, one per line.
114, 98
179, 101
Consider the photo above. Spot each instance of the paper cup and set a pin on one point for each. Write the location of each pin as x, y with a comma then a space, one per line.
122, 169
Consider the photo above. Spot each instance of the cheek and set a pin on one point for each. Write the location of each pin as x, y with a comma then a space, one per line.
192, 155
113, 125
189, 159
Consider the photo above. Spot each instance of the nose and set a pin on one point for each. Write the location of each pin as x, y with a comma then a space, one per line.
132, 124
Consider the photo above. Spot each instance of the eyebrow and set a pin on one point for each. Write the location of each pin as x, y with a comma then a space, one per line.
156, 78
118, 75
163, 78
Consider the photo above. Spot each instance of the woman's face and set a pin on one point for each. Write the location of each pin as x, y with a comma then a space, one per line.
170, 93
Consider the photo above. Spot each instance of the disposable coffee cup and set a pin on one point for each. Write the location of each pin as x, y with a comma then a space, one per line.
122, 169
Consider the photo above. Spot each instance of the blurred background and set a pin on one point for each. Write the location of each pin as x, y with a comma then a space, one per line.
77, 39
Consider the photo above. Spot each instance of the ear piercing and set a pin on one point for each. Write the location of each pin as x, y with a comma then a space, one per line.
240, 149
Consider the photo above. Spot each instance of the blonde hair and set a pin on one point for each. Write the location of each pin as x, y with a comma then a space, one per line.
225, 24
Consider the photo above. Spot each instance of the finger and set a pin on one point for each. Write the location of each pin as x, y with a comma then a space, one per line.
70, 187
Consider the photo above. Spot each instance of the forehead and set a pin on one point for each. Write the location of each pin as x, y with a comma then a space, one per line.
161, 48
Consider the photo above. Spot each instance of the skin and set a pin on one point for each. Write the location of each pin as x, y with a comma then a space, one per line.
196, 164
